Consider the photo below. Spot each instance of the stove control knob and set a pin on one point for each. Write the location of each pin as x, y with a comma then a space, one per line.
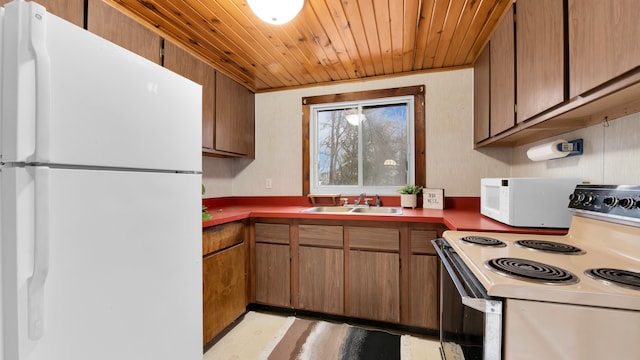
610, 201
581, 197
588, 199
627, 203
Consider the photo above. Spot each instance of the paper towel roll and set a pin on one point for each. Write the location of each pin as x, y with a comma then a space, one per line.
547, 151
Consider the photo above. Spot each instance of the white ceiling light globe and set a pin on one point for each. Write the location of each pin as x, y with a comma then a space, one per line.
276, 11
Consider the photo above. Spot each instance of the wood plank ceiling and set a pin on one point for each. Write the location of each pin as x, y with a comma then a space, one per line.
329, 40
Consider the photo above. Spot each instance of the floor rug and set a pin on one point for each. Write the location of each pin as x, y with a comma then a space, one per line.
262, 336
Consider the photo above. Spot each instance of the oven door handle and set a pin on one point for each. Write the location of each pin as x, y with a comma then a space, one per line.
487, 306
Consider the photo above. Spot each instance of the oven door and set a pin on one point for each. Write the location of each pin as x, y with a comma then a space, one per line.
470, 320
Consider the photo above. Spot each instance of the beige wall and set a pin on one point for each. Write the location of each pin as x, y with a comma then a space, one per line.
452, 163
217, 176
611, 153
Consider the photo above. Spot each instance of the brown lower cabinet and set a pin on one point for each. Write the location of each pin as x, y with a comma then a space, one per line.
374, 273
224, 275
321, 268
425, 277
272, 264
383, 271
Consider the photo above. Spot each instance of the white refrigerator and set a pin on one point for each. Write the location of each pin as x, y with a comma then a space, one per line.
100, 205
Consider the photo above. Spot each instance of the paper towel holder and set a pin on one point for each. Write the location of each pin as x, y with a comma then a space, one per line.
556, 150
573, 147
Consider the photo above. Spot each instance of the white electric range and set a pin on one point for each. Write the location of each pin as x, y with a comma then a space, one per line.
575, 296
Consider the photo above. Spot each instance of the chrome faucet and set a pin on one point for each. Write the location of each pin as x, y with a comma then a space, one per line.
357, 202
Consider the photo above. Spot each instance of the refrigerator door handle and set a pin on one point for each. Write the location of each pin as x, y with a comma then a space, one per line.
35, 287
37, 42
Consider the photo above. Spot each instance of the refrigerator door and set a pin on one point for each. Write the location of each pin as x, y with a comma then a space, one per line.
70, 97
106, 265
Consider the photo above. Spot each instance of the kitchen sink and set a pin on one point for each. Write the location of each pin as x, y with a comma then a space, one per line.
378, 210
362, 210
328, 209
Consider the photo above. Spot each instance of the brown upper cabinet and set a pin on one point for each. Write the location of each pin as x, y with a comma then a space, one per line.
603, 41
181, 62
481, 95
234, 125
70, 10
577, 63
502, 75
227, 107
109, 23
539, 56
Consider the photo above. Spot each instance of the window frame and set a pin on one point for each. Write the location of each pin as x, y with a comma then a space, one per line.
406, 101
418, 126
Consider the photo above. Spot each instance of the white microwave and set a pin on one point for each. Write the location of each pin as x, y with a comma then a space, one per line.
528, 202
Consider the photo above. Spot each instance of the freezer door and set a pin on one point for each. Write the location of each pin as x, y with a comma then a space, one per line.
71, 97
122, 271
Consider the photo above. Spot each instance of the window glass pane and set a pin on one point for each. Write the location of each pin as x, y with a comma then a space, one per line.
363, 146
384, 134
337, 148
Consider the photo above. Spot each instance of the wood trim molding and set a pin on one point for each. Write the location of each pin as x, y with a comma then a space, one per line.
419, 125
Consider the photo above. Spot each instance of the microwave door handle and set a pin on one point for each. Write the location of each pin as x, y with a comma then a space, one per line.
480, 304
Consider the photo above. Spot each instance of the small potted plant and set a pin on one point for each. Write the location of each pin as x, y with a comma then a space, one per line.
409, 195
205, 214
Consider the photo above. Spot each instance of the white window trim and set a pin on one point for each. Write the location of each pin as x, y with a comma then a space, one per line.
315, 188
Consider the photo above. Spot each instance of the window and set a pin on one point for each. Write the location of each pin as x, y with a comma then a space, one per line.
370, 142
362, 146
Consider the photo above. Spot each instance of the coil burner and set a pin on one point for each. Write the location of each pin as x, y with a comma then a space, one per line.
533, 271
609, 276
550, 246
483, 240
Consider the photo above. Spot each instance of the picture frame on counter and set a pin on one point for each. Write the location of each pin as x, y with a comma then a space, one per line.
433, 198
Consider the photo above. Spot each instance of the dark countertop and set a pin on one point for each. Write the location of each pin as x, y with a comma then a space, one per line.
460, 214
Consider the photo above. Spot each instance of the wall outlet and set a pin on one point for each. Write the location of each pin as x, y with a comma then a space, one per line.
267, 183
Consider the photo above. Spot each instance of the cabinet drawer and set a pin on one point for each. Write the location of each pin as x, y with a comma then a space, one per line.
421, 241
222, 236
272, 233
321, 235
365, 238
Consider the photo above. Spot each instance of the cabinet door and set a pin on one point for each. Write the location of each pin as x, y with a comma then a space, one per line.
224, 289
181, 62
235, 118
503, 76
374, 273
70, 10
111, 24
273, 274
374, 285
603, 41
321, 279
540, 56
424, 291
481, 95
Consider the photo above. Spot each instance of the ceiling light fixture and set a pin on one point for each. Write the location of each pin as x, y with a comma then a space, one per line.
276, 12
355, 119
